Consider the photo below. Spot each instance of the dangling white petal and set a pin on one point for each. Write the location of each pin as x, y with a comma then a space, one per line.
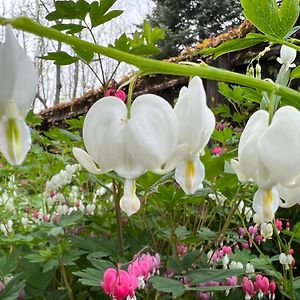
15, 140
279, 145
265, 203
287, 55
86, 161
237, 169
196, 121
19, 78
105, 135
289, 196
130, 203
189, 175
152, 131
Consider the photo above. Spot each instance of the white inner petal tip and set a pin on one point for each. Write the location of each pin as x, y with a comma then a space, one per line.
130, 203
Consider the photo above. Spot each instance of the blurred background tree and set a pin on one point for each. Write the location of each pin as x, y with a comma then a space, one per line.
189, 21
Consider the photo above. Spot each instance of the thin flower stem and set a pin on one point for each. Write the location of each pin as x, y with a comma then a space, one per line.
160, 67
65, 279
116, 195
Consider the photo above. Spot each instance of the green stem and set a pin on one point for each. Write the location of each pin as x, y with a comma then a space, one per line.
65, 279
129, 96
116, 195
153, 66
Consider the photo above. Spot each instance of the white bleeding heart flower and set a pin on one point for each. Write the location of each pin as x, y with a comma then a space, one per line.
17, 90
268, 155
196, 123
287, 57
128, 145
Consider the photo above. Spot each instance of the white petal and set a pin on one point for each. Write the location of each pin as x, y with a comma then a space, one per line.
15, 140
196, 121
289, 196
251, 164
19, 77
179, 154
87, 162
279, 145
287, 54
152, 131
105, 134
189, 175
130, 203
237, 169
265, 203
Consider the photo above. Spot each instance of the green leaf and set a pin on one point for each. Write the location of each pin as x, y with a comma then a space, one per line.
269, 19
63, 10
204, 275
234, 45
83, 7
84, 54
167, 285
122, 43
33, 119
72, 219
60, 58
89, 276
69, 28
295, 73
98, 12
49, 265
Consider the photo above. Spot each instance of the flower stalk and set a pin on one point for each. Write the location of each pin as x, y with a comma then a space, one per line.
153, 66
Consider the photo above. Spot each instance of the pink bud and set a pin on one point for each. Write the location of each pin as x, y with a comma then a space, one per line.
36, 214
253, 230
227, 249
203, 296
262, 283
117, 283
232, 281
287, 225
245, 245
220, 126
248, 287
45, 218
242, 231
112, 92
291, 251
272, 289
120, 94
278, 224
259, 238
181, 249
217, 151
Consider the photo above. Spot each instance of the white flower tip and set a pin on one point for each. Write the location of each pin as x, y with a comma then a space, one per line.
287, 55
265, 203
189, 175
237, 169
15, 140
86, 161
130, 203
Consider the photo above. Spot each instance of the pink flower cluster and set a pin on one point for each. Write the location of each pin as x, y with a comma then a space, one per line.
220, 253
261, 285
218, 150
112, 92
230, 281
120, 284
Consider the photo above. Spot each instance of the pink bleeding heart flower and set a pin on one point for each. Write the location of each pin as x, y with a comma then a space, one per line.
248, 288
118, 284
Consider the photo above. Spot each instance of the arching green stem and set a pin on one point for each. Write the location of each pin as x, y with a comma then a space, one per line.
147, 65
